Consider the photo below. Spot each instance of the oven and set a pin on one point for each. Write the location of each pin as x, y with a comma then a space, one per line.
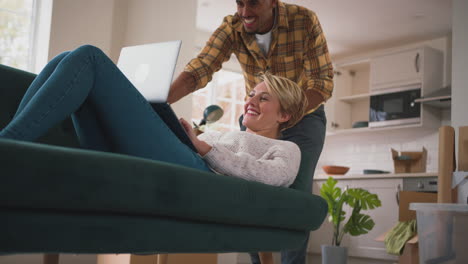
417, 184
420, 184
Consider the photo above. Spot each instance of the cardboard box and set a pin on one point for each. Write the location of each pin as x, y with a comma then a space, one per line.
411, 251
409, 161
195, 258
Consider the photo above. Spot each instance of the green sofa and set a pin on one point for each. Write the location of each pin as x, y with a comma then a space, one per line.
58, 198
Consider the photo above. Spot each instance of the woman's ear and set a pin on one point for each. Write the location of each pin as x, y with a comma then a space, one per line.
284, 117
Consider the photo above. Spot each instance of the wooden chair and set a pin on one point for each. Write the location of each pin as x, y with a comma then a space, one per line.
447, 162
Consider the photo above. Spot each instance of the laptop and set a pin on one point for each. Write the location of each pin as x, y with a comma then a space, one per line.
150, 68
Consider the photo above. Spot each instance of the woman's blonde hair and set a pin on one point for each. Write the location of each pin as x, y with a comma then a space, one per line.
291, 97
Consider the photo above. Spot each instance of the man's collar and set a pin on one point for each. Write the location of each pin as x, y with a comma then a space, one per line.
282, 21
283, 16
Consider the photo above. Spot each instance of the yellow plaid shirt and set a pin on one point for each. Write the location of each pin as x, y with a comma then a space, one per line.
298, 51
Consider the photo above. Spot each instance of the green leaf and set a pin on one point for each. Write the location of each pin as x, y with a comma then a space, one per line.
329, 189
337, 211
366, 199
358, 199
331, 194
359, 224
335, 200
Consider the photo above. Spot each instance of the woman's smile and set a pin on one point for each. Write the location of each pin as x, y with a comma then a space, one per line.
262, 113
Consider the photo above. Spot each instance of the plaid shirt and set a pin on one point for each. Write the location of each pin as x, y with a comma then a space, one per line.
298, 51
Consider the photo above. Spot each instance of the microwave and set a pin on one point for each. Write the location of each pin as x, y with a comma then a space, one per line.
396, 108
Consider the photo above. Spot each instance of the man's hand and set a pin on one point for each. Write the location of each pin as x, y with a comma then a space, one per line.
201, 146
314, 99
183, 85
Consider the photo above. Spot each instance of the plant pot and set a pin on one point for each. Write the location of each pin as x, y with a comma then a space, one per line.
334, 255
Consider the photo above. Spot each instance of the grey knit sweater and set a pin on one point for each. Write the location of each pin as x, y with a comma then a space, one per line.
252, 157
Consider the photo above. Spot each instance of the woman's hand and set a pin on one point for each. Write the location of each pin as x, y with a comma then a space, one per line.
201, 146
188, 128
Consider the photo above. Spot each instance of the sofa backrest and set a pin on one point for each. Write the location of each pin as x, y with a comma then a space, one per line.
303, 181
13, 85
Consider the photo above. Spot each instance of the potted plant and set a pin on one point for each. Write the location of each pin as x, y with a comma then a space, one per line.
356, 224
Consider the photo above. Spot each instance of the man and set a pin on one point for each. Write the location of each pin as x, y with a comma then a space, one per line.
286, 40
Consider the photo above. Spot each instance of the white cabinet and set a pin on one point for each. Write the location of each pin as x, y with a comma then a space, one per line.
385, 217
356, 81
334, 109
416, 68
350, 100
397, 69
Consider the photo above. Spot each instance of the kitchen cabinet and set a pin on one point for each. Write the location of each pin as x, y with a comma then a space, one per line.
356, 81
416, 68
385, 217
398, 69
350, 100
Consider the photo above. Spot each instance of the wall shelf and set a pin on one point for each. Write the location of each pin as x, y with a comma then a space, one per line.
363, 130
355, 98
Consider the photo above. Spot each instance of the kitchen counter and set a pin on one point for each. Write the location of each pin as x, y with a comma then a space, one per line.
323, 177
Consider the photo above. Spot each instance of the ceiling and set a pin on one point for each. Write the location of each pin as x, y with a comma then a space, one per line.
356, 26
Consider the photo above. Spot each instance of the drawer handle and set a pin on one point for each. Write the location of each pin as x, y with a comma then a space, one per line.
397, 194
416, 62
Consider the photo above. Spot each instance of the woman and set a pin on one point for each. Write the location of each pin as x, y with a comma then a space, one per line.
109, 114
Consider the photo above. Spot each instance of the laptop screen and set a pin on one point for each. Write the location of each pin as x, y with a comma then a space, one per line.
150, 68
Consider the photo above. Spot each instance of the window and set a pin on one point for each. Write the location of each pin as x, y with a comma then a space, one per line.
16, 32
227, 89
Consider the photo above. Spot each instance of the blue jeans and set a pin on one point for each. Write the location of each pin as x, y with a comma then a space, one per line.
309, 135
108, 113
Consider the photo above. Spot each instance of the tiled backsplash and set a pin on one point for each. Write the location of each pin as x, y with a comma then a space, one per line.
372, 150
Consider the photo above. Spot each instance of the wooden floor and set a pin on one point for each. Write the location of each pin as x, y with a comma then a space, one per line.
92, 259
317, 259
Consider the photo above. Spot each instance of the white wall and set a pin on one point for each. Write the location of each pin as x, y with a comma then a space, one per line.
64, 25
460, 74
154, 21
119, 27
373, 151
112, 24
76, 23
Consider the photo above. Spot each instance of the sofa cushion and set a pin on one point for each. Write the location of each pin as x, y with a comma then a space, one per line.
37, 176
32, 231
